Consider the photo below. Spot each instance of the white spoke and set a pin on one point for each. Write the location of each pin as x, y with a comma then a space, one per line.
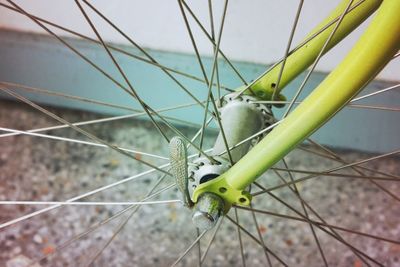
89, 203
108, 119
53, 137
397, 86
188, 249
100, 189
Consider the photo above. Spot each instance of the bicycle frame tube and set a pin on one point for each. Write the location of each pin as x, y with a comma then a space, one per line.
305, 55
372, 52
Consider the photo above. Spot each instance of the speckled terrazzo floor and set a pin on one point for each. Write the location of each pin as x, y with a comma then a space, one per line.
34, 168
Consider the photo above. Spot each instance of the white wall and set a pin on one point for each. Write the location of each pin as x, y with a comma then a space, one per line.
255, 31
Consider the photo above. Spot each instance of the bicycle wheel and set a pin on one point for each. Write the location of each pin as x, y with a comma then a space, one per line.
83, 201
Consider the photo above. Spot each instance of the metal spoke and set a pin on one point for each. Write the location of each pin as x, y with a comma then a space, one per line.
211, 16
214, 70
96, 226
100, 189
297, 193
302, 218
86, 203
322, 51
210, 96
319, 226
252, 136
355, 169
108, 119
114, 48
328, 171
189, 30
142, 50
303, 43
319, 217
348, 105
198, 247
289, 43
211, 40
203, 257
119, 228
256, 240
76, 141
79, 197
260, 236
67, 243
133, 90
240, 238
72, 48
79, 54
54, 93
397, 86
87, 134
188, 249
330, 174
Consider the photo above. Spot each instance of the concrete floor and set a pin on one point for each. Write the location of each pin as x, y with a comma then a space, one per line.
34, 168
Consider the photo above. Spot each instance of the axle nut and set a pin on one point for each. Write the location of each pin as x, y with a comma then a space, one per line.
208, 209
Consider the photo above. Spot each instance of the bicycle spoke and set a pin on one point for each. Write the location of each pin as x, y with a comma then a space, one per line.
118, 229
96, 226
256, 240
203, 257
240, 238
88, 203
297, 193
188, 249
198, 247
114, 48
322, 51
319, 226
150, 194
116, 64
260, 236
143, 51
79, 197
329, 171
397, 86
43, 91
189, 30
302, 218
87, 134
211, 16
37, 130
210, 97
396, 109
252, 136
72, 48
320, 218
303, 43
53, 93
76, 141
341, 175
355, 169
218, 50
289, 43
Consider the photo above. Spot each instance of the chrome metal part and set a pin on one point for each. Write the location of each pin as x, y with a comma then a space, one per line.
208, 209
